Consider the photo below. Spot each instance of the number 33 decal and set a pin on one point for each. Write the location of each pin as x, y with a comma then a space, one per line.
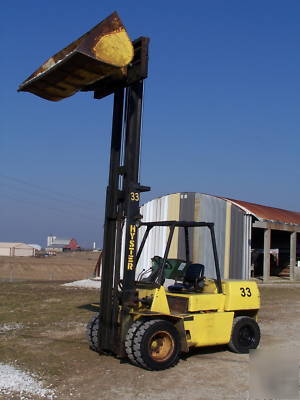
134, 196
245, 292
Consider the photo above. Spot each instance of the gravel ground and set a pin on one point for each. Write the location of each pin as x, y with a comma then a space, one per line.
53, 346
14, 380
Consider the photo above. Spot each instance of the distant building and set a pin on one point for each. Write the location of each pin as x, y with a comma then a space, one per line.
11, 249
35, 246
61, 244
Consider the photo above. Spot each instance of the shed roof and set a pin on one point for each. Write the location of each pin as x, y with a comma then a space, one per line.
14, 244
264, 213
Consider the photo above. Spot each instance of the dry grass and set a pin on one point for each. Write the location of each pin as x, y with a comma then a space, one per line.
66, 266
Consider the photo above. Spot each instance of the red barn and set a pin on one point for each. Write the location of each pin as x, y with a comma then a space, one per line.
73, 245
62, 244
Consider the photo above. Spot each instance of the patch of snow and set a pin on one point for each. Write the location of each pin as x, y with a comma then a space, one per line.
10, 327
96, 284
85, 283
14, 380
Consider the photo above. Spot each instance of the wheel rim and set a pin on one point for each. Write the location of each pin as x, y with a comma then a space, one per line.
246, 336
161, 346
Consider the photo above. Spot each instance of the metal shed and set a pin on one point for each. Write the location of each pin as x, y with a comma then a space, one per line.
243, 230
11, 249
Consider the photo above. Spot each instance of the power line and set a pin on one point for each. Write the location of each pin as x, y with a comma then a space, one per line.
57, 210
44, 189
47, 196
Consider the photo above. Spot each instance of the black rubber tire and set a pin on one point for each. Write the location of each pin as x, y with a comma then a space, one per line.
92, 330
245, 335
141, 344
129, 341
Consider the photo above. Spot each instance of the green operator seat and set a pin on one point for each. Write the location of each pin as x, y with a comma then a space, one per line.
193, 280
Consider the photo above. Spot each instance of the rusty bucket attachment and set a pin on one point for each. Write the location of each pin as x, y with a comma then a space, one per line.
102, 54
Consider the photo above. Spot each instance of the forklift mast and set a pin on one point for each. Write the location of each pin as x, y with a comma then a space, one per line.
122, 209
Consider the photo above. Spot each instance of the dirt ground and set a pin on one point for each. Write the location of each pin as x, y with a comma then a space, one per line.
52, 344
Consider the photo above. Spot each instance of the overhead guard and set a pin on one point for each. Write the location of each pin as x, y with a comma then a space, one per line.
103, 53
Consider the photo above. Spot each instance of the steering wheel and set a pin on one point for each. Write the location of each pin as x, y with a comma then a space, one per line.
159, 260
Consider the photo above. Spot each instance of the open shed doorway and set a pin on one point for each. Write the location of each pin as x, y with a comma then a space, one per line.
279, 253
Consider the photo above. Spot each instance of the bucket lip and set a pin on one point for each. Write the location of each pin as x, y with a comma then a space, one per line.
38, 75
83, 46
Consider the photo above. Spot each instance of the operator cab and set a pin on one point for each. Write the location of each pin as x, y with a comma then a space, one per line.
185, 276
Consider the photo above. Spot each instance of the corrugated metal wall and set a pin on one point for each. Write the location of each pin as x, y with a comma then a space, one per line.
162, 209
247, 246
236, 243
232, 228
211, 209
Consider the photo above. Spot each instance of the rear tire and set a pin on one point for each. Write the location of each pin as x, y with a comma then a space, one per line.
92, 332
245, 335
155, 345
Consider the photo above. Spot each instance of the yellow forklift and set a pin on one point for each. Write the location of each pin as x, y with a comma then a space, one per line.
193, 312
140, 318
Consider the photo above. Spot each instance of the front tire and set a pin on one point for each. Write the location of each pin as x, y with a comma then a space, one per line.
155, 345
245, 335
129, 341
92, 332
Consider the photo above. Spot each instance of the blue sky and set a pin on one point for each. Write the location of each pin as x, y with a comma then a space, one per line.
221, 111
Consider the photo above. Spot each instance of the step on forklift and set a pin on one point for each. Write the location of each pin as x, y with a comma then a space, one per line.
139, 318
